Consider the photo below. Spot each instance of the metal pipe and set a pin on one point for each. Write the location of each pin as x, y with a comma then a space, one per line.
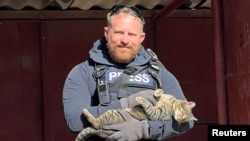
219, 61
169, 8
153, 26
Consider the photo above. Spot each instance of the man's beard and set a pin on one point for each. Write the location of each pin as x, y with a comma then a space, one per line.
120, 56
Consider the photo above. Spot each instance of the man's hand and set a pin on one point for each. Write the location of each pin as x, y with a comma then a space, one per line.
130, 101
130, 130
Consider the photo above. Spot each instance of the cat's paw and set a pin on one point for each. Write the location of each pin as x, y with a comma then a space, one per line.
85, 112
139, 100
158, 93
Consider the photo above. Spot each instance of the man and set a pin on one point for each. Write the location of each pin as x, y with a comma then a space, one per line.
115, 73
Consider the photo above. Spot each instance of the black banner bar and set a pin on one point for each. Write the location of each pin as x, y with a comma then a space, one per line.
236, 132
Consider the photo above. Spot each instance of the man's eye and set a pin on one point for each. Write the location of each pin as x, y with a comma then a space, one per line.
132, 35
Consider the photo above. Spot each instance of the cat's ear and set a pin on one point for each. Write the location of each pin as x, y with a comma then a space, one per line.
191, 104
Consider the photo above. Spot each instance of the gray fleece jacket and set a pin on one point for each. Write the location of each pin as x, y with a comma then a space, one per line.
80, 92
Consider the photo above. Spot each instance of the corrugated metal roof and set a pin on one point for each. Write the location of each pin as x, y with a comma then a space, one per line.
94, 4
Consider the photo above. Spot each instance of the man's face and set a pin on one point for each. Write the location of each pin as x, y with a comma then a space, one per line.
124, 37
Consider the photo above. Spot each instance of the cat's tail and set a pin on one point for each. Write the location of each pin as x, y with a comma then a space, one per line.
90, 131
85, 133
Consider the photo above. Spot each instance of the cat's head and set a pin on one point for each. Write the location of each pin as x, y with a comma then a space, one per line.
183, 111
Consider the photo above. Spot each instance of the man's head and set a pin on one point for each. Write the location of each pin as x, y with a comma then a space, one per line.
124, 33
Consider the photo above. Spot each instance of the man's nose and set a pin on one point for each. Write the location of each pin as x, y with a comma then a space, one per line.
125, 39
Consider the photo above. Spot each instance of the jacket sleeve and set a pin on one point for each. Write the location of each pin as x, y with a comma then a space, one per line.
78, 89
160, 130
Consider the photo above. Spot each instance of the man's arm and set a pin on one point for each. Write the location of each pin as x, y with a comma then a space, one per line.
77, 95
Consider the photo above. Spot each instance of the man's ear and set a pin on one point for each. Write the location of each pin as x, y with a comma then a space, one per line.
106, 31
143, 36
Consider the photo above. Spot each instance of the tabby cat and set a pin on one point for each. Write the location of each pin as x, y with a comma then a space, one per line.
165, 108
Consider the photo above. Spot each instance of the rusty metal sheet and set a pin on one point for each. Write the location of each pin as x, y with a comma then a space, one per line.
64, 44
20, 87
94, 4
237, 54
185, 47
